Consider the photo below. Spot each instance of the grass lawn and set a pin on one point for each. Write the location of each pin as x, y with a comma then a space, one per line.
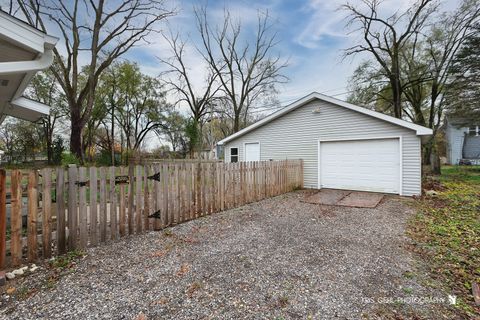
447, 231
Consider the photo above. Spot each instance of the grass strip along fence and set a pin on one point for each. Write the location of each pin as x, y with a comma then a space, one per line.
56, 210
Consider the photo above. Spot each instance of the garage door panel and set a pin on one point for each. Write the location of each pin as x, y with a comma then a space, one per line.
369, 165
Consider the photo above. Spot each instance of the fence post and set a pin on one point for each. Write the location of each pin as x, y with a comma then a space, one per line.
32, 215
3, 217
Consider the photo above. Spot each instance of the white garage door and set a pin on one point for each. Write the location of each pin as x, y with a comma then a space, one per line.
252, 152
366, 165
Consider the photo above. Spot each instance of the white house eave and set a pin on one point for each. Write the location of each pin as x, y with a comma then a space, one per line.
27, 109
420, 130
24, 35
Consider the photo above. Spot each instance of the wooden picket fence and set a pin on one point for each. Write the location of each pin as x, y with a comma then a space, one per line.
73, 208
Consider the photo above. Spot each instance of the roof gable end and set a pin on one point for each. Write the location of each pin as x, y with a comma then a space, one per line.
420, 130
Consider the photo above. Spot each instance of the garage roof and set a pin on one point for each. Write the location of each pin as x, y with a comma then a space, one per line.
420, 130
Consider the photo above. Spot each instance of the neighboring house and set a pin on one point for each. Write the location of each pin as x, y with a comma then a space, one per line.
24, 50
463, 141
343, 146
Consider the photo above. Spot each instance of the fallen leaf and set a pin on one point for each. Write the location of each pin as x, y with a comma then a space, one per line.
11, 290
183, 270
476, 293
141, 316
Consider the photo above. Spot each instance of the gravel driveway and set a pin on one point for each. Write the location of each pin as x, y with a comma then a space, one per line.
276, 259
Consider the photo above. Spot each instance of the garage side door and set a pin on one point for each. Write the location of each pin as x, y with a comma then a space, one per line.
252, 152
365, 165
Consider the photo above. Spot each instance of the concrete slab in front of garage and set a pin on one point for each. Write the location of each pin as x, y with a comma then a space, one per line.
345, 198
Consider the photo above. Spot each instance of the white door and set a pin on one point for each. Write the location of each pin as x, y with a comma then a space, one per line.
365, 165
252, 151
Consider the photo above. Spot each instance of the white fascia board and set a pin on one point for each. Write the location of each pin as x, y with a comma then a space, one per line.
421, 131
38, 108
24, 35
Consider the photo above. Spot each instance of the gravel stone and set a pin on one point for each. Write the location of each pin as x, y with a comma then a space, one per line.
277, 258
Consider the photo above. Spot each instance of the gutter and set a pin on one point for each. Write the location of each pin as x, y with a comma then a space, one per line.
41, 63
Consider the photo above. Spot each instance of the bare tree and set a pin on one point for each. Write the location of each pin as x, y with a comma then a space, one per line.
182, 82
44, 88
385, 38
246, 70
97, 32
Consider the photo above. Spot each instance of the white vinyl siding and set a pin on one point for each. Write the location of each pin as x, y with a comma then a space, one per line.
252, 151
295, 135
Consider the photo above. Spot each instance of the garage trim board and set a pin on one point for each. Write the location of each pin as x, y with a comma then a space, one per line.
399, 138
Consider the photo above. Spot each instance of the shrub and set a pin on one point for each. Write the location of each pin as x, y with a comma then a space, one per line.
69, 158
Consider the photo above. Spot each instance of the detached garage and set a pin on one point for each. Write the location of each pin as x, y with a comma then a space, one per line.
343, 146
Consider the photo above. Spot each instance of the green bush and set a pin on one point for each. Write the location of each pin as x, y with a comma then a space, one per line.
105, 158
69, 158
58, 150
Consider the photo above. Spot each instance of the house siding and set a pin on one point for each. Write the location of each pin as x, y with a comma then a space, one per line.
455, 138
471, 148
295, 135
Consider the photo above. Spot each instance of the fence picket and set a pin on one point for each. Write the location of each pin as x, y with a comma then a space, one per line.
146, 198
165, 199
82, 208
32, 215
3, 218
61, 217
138, 199
121, 204
131, 193
72, 207
16, 218
113, 206
103, 205
93, 206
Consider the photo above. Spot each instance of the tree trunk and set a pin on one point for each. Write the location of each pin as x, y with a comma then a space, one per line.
113, 136
236, 123
435, 162
49, 153
76, 145
427, 153
397, 98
